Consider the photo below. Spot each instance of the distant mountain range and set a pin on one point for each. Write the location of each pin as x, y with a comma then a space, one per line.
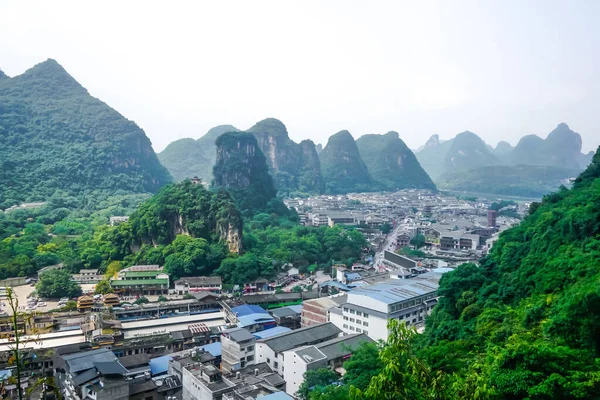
533, 167
55, 136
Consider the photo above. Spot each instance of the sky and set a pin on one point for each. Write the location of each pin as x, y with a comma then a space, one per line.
501, 69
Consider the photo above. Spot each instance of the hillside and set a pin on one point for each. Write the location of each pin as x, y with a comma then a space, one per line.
187, 158
432, 155
391, 164
295, 167
502, 151
342, 167
527, 318
242, 169
55, 135
508, 180
468, 151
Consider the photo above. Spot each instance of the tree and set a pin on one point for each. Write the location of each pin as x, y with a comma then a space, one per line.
141, 300
297, 289
112, 269
418, 241
103, 287
57, 283
162, 299
362, 365
386, 228
315, 380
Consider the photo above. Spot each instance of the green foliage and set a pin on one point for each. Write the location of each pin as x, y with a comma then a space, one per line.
362, 365
187, 158
342, 167
391, 164
516, 180
528, 314
242, 169
315, 380
188, 296
418, 241
57, 283
141, 300
162, 299
103, 287
386, 228
54, 135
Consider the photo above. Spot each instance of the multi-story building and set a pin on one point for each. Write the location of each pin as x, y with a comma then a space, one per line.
270, 350
316, 311
329, 354
237, 349
194, 284
369, 308
141, 279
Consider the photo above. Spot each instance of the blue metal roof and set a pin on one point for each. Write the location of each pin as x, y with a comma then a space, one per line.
337, 285
213, 348
271, 332
252, 319
160, 365
296, 308
248, 309
353, 276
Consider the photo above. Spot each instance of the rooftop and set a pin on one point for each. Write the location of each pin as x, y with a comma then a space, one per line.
238, 334
300, 337
129, 282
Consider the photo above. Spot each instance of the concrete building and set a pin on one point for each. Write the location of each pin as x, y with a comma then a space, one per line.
193, 284
316, 311
458, 240
397, 262
141, 280
270, 350
252, 317
288, 317
369, 308
237, 349
329, 354
491, 217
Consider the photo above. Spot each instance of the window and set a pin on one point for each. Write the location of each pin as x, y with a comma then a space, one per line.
358, 313
366, 315
345, 326
351, 328
268, 361
345, 318
345, 309
365, 323
366, 333
414, 320
250, 358
358, 330
352, 312
351, 319
275, 365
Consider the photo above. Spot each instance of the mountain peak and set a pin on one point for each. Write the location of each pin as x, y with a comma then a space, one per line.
269, 126
563, 137
433, 141
48, 79
393, 134
3, 75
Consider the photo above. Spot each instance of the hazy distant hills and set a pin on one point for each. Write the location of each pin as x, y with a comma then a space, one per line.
55, 135
187, 158
533, 167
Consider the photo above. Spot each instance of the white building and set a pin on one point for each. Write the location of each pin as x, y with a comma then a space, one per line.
369, 308
329, 354
270, 350
237, 346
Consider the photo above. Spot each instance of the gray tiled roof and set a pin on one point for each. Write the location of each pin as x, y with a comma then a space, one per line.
310, 354
342, 346
301, 337
85, 376
239, 334
85, 360
110, 368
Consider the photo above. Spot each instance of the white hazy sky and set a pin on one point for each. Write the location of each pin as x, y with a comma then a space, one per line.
501, 69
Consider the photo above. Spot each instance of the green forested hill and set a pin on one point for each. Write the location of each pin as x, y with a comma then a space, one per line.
54, 135
187, 158
529, 316
517, 180
391, 164
342, 167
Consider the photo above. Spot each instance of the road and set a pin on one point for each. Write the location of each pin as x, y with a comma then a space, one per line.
388, 245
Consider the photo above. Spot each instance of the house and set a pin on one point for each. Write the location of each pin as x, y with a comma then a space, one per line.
368, 308
403, 240
288, 317
87, 276
118, 220
397, 262
316, 311
141, 280
270, 350
252, 317
237, 349
193, 284
329, 354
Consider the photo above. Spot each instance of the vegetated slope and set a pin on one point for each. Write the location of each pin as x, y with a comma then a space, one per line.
502, 151
509, 180
468, 151
55, 135
432, 156
342, 167
528, 316
295, 167
391, 164
187, 158
242, 169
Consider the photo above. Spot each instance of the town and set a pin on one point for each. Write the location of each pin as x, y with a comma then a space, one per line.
153, 337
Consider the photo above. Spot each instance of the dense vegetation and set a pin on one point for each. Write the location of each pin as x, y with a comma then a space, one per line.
54, 135
528, 315
391, 164
342, 167
295, 167
187, 158
241, 168
57, 283
518, 180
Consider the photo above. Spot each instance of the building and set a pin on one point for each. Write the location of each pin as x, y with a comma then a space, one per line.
206, 382
459, 240
252, 317
397, 262
114, 221
111, 300
403, 240
341, 219
491, 217
86, 276
288, 317
270, 350
316, 311
195, 284
85, 303
329, 354
237, 349
369, 308
141, 280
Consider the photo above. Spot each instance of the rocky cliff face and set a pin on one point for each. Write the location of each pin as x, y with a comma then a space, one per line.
242, 169
54, 135
342, 167
432, 155
287, 160
391, 164
468, 151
